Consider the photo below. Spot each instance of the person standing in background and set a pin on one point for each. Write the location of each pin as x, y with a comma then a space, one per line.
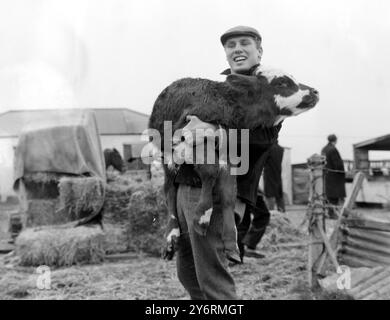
334, 175
273, 185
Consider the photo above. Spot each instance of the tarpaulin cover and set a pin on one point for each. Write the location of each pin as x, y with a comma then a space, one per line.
65, 143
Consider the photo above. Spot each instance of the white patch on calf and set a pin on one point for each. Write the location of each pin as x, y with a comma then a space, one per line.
205, 219
175, 232
292, 101
270, 73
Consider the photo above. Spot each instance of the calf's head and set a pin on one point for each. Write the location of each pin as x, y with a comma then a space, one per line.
271, 96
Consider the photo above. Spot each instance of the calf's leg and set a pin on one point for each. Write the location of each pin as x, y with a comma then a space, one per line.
172, 232
227, 189
208, 173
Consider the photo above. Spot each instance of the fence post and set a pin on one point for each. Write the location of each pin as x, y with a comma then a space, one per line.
316, 210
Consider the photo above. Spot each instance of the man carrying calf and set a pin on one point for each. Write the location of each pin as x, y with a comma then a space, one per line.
201, 260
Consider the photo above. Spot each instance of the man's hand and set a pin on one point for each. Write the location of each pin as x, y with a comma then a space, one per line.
172, 237
169, 250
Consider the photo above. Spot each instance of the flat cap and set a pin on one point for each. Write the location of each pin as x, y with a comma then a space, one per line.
240, 31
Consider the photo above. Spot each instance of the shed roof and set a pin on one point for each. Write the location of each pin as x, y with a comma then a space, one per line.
379, 143
115, 121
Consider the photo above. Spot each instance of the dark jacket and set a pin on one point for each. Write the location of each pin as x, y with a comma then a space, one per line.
273, 186
334, 181
260, 140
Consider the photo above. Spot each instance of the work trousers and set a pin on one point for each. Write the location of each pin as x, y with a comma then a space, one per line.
250, 231
202, 266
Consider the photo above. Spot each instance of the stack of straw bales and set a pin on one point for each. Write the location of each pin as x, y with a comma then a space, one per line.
81, 196
72, 198
60, 246
49, 237
115, 214
39, 199
147, 219
133, 218
134, 215
43, 212
41, 185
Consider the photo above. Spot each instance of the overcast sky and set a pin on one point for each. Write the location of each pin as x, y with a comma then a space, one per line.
122, 53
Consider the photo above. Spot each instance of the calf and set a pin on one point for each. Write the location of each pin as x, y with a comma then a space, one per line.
241, 102
112, 157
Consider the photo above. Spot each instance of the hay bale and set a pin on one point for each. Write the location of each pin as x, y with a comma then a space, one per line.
60, 246
134, 215
81, 196
147, 219
157, 173
41, 185
116, 203
115, 214
117, 198
41, 212
116, 238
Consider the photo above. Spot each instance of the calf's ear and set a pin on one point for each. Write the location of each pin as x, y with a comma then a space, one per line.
240, 81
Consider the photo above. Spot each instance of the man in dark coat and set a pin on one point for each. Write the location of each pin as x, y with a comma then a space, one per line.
273, 186
251, 230
334, 174
202, 263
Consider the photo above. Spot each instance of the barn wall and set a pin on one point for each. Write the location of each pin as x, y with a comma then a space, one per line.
6, 167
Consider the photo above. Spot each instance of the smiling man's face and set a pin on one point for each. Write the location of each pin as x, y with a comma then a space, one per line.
242, 53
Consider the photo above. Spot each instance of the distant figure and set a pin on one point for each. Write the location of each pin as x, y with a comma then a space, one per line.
112, 157
334, 180
273, 186
251, 231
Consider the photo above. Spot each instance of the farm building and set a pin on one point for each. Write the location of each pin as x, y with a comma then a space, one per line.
118, 128
376, 189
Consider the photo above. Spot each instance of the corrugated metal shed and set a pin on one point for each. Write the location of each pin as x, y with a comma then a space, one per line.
116, 121
365, 283
365, 241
